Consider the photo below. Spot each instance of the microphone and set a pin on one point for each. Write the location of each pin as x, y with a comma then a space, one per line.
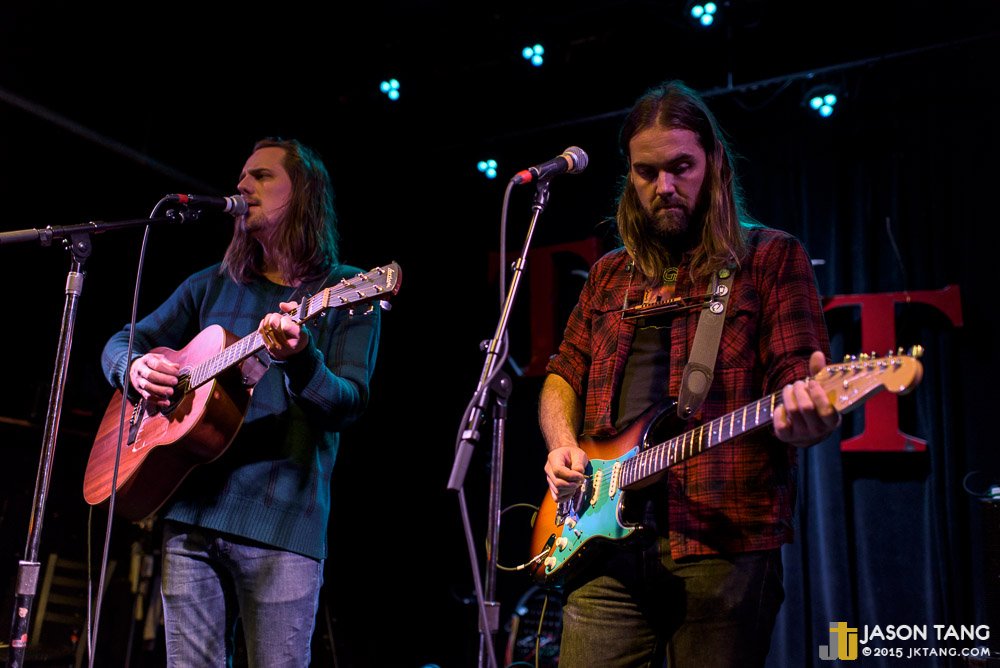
234, 205
572, 160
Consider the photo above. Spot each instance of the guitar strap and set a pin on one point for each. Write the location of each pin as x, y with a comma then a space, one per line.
698, 372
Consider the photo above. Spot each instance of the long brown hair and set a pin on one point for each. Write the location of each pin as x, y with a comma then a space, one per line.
723, 235
306, 244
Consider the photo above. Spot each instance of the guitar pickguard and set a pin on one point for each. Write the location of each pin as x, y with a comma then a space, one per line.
592, 516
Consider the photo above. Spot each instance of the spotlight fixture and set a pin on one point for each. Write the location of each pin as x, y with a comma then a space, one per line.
534, 54
488, 168
391, 88
822, 99
703, 12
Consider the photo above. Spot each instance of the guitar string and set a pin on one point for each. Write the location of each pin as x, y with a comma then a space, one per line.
658, 452
208, 369
868, 370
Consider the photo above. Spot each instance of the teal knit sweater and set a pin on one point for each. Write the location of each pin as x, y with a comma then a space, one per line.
272, 485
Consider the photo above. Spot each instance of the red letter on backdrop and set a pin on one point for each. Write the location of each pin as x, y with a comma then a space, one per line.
878, 332
542, 284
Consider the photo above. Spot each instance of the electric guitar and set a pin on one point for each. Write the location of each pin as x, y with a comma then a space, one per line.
564, 533
160, 447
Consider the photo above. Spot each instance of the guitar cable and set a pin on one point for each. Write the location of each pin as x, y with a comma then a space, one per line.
535, 559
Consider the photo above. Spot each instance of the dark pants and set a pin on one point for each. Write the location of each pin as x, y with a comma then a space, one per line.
644, 607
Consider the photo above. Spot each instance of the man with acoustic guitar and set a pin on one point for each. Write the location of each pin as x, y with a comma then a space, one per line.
245, 534
706, 589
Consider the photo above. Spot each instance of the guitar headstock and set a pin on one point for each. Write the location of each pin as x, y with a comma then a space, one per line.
379, 284
853, 381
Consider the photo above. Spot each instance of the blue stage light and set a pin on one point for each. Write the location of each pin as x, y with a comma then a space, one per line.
822, 99
391, 88
533, 54
704, 13
488, 168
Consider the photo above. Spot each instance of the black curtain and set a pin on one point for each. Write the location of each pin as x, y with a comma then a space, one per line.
893, 193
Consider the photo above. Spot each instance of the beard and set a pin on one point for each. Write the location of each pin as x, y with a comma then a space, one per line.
673, 223
253, 221
674, 226
669, 223
256, 225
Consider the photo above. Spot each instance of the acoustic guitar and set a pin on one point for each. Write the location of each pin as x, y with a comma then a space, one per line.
160, 447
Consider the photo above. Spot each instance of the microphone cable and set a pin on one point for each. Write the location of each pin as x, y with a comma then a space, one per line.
92, 629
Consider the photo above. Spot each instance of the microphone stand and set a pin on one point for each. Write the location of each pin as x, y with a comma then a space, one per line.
494, 386
76, 239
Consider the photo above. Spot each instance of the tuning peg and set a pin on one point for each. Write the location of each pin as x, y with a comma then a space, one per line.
385, 305
916, 351
864, 357
847, 358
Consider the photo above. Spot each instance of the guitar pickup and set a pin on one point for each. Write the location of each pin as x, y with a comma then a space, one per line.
598, 476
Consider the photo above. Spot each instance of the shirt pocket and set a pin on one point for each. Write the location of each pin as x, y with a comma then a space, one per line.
605, 330
740, 345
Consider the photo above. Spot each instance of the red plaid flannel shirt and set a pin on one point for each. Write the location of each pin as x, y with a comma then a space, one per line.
739, 496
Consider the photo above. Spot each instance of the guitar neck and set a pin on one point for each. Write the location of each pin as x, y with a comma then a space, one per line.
229, 357
378, 283
847, 386
661, 456
253, 342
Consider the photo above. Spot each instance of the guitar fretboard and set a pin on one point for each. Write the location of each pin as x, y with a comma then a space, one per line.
658, 457
231, 355
360, 289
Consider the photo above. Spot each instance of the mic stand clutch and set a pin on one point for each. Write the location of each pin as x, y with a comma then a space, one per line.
494, 386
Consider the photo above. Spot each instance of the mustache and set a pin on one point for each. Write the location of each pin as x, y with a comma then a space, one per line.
660, 203
670, 200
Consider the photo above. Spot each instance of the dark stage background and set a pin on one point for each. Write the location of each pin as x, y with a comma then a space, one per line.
895, 192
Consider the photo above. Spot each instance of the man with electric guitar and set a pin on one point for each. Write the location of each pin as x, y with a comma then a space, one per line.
245, 531
705, 589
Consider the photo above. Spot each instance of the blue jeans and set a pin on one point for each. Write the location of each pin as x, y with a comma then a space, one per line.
211, 579
640, 607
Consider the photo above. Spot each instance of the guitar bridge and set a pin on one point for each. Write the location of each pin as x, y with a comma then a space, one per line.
568, 512
135, 421
563, 511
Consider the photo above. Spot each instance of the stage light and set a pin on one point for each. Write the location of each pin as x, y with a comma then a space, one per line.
534, 54
488, 168
704, 13
391, 88
822, 99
